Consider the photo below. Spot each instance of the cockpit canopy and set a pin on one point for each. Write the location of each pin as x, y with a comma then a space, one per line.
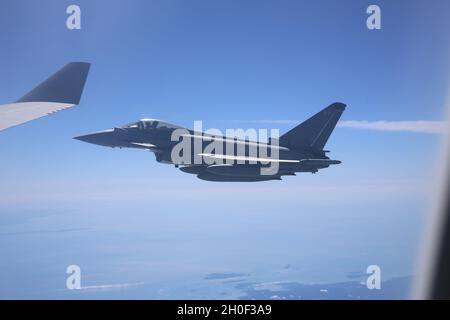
147, 124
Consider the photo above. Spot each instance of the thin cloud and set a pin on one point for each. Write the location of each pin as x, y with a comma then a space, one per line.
108, 287
416, 126
41, 232
419, 126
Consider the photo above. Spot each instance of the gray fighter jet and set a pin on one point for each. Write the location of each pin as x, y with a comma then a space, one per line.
214, 157
60, 91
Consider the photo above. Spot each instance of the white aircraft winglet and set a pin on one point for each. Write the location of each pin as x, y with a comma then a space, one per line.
61, 91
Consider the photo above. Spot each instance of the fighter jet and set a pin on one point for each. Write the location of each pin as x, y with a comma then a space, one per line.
222, 158
61, 91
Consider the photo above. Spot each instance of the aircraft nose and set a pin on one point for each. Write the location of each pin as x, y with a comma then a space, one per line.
103, 138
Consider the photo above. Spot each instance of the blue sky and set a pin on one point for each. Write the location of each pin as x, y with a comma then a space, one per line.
230, 64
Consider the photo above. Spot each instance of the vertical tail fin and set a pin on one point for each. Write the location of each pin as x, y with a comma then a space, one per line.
314, 132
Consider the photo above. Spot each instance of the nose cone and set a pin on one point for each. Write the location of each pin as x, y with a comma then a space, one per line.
106, 138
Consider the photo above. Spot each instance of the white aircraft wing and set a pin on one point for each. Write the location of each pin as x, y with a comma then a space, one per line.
61, 91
